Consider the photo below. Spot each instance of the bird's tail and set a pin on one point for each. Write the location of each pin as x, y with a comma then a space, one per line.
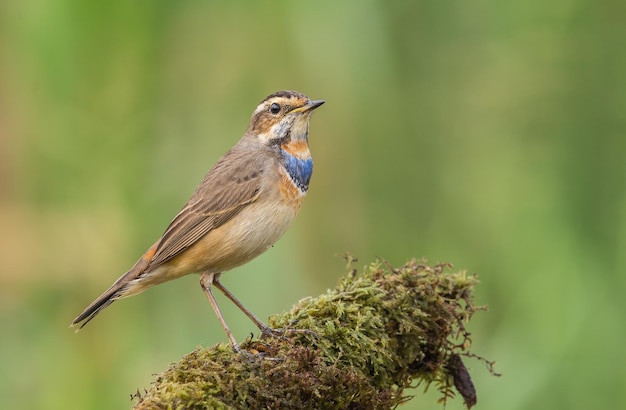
117, 290
97, 306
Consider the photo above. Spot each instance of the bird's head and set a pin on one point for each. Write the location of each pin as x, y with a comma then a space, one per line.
283, 118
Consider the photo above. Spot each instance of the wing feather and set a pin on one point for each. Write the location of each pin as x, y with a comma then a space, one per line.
230, 186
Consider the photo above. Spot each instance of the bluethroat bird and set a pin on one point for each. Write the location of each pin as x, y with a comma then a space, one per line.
242, 207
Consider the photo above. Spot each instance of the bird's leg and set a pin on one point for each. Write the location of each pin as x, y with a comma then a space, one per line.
265, 329
206, 280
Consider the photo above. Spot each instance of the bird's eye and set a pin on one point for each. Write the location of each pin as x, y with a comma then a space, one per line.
274, 108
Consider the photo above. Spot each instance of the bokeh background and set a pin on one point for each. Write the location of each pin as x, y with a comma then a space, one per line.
488, 134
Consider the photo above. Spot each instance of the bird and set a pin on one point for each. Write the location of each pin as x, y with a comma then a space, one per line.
242, 206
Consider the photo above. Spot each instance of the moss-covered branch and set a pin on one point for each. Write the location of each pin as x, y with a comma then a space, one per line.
377, 333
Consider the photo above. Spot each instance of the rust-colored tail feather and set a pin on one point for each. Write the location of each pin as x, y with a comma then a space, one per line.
104, 300
92, 310
116, 291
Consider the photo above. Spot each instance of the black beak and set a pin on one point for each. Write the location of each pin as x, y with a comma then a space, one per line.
311, 105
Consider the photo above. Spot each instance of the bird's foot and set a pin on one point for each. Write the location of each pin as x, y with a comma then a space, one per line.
267, 331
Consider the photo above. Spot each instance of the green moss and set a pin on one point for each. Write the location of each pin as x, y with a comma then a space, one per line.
375, 334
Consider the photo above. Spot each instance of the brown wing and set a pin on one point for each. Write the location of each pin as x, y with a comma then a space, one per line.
231, 185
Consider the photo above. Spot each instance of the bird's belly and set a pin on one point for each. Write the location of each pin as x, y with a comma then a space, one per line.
246, 236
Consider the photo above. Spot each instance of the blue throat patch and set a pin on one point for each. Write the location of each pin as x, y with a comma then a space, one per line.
300, 170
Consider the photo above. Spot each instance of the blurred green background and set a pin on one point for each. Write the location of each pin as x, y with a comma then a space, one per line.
488, 134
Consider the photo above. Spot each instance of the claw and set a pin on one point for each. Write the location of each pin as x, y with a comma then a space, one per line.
268, 331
